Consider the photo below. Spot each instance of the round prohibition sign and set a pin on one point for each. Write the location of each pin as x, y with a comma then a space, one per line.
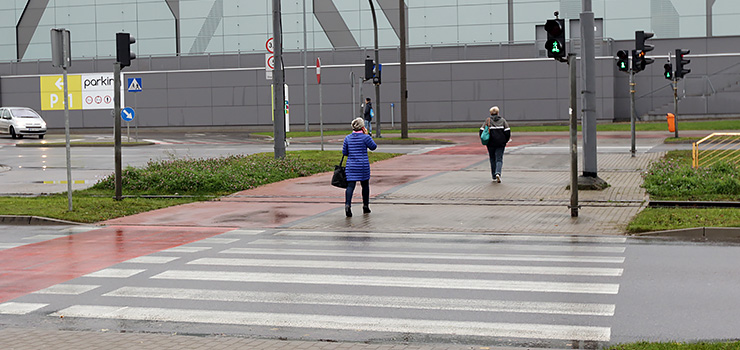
271, 62
107, 99
89, 100
269, 46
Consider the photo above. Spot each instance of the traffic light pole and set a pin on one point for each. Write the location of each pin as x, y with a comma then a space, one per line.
377, 73
573, 136
117, 127
675, 104
633, 117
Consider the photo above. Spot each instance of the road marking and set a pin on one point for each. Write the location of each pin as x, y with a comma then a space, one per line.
448, 245
13, 308
415, 255
390, 281
151, 260
11, 245
367, 300
243, 232
457, 237
373, 324
216, 240
115, 273
67, 289
44, 237
184, 249
396, 266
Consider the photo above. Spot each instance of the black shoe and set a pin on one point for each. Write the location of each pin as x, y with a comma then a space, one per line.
348, 211
366, 209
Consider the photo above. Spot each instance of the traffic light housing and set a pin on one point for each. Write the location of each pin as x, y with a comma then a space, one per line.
668, 74
369, 69
681, 63
639, 59
623, 60
123, 49
555, 45
376, 78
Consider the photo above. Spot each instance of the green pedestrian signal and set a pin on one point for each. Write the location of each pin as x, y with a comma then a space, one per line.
668, 74
555, 44
555, 48
623, 61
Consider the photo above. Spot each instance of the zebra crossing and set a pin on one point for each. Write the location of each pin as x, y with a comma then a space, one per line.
350, 284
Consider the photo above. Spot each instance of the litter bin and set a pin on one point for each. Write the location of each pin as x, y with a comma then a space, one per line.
671, 122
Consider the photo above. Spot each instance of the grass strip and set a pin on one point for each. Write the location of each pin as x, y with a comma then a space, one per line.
200, 178
659, 219
676, 346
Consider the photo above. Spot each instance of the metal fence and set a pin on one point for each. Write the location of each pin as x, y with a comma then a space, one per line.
717, 147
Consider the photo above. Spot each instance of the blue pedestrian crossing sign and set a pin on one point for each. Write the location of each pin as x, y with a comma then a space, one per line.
127, 114
134, 84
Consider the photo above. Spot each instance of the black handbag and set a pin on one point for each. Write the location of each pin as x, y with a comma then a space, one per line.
339, 179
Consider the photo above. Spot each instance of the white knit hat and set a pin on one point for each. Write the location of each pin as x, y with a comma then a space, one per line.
358, 124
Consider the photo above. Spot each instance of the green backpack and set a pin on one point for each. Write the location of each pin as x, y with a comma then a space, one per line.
485, 135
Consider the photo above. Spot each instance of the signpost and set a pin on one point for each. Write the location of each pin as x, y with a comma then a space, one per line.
127, 114
134, 85
321, 101
269, 59
61, 57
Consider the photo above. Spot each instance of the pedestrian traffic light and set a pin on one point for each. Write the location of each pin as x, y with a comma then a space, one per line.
369, 68
376, 78
681, 63
623, 60
123, 49
668, 74
555, 44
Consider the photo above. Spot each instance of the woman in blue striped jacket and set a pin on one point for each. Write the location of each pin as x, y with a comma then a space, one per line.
355, 148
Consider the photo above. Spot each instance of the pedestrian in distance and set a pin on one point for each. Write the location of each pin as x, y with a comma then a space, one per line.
500, 134
355, 148
368, 113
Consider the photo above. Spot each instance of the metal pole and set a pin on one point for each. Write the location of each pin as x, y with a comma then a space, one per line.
404, 78
278, 83
321, 114
377, 72
352, 84
633, 117
66, 135
393, 115
117, 127
305, 69
573, 136
675, 103
589, 92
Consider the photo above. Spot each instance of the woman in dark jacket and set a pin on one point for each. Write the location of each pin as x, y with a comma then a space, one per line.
355, 148
497, 126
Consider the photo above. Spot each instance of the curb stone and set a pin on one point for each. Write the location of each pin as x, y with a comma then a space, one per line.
33, 220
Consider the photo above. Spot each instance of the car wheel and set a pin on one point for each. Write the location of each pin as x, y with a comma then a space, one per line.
41, 136
12, 133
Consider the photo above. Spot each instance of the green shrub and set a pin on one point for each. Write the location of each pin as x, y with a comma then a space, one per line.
673, 178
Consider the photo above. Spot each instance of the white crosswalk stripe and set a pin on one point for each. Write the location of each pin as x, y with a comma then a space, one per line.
491, 286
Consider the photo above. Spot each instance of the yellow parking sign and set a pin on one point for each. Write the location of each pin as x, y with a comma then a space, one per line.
52, 92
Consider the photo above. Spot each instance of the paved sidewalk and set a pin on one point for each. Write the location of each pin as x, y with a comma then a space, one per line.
448, 189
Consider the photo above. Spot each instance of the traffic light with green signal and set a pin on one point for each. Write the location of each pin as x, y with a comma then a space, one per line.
555, 45
668, 74
681, 63
623, 61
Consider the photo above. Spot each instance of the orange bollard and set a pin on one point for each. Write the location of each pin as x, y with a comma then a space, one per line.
671, 122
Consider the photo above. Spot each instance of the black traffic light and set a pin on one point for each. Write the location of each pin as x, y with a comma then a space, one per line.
376, 78
123, 49
369, 68
681, 63
555, 45
668, 74
640, 60
623, 60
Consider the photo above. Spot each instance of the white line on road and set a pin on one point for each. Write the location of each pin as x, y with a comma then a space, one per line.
398, 266
458, 237
394, 302
115, 273
151, 260
67, 289
388, 281
426, 256
13, 308
404, 246
372, 324
185, 249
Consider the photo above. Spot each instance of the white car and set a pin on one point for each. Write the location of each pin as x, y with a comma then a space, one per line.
20, 121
